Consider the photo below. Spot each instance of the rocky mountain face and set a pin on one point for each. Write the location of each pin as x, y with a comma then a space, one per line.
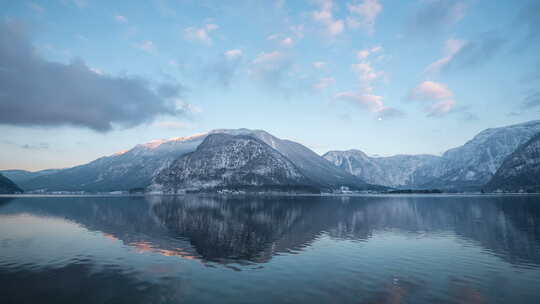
312, 165
7, 186
224, 161
520, 171
395, 171
467, 167
122, 171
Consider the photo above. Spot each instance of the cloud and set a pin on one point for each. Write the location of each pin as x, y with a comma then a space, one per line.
438, 96
287, 42
476, 52
38, 146
319, 65
121, 19
440, 108
452, 47
366, 73
282, 40
324, 83
201, 34
435, 16
364, 54
147, 46
367, 11
270, 67
369, 102
223, 70
233, 54
325, 16
430, 90
37, 92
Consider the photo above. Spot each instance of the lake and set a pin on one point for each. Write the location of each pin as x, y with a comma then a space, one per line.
211, 249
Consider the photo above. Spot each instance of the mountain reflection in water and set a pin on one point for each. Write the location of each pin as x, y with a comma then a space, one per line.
272, 237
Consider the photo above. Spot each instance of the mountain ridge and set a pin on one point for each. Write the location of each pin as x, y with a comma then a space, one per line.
465, 168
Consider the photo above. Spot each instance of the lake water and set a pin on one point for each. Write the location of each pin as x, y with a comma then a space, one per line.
192, 249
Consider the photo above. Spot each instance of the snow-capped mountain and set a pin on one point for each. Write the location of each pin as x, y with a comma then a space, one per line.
312, 165
394, 171
520, 171
467, 167
121, 171
472, 165
231, 162
7, 186
136, 167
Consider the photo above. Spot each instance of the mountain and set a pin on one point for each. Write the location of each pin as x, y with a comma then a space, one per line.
394, 171
136, 167
472, 165
464, 168
224, 161
122, 171
19, 176
312, 165
7, 186
520, 171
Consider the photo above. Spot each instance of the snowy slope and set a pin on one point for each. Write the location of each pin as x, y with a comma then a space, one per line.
231, 162
467, 167
312, 165
520, 171
395, 171
121, 171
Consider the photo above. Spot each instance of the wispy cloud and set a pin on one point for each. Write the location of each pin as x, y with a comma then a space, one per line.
324, 83
319, 65
452, 47
147, 46
325, 16
476, 52
201, 34
224, 69
233, 54
439, 98
121, 19
370, 102
364, 15
365, 53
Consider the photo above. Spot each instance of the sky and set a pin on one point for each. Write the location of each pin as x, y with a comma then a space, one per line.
81, 79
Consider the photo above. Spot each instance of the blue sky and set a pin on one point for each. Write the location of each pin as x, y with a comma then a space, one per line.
385, 77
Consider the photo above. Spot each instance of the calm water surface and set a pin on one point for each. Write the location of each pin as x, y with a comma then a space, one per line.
379, 249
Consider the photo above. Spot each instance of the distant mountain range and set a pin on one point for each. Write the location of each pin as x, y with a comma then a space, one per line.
465, 168
255, 159
137, 167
